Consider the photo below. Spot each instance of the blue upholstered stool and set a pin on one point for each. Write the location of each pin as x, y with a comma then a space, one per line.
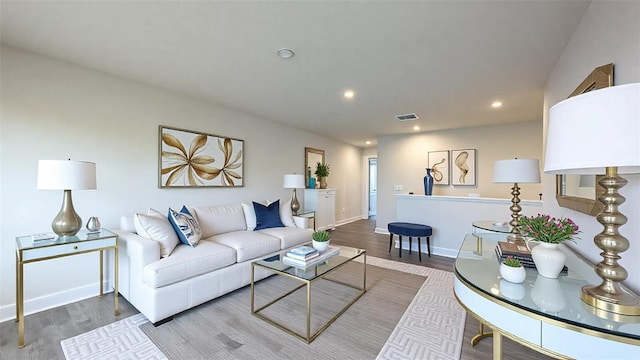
410, 230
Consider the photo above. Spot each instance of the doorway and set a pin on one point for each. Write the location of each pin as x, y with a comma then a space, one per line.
373, 186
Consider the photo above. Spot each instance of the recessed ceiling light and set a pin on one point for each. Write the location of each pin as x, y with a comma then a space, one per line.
349, 94
285, 53
368, 142
416, 128
496, 104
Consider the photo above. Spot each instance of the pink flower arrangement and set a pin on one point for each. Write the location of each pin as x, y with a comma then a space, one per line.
549, 229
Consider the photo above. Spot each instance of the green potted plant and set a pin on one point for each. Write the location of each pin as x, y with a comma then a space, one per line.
322, 171
548, 232
320, 240
512, 270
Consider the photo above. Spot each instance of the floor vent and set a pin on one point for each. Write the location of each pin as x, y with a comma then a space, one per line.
407, 117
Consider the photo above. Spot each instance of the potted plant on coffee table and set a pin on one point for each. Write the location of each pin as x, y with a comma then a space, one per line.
322, 171
320, 240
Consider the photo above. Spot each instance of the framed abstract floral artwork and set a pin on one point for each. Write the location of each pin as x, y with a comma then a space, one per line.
439, 164
463, 170
192, 159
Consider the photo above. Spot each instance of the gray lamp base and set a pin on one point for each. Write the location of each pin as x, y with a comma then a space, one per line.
67, 222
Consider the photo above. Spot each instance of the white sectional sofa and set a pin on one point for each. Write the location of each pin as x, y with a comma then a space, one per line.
161, 281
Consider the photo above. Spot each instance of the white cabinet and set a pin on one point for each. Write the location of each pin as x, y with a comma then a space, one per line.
323, 202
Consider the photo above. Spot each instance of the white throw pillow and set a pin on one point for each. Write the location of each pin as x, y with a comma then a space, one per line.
249, 216
157, 227
286, 216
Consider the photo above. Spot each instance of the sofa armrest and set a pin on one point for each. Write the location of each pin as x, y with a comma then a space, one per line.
140, 250
302, 222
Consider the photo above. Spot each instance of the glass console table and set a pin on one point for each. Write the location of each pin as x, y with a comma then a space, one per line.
544, 314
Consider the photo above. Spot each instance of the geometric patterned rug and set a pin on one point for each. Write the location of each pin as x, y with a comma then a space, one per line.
432, 327
119, 340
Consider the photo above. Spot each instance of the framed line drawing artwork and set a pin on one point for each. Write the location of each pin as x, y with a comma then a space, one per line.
463, 170
193, 159
439, 164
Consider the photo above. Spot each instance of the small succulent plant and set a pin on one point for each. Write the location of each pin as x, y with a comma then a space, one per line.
511, 261
320, 236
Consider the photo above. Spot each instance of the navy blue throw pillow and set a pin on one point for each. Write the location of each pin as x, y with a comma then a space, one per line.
267, 216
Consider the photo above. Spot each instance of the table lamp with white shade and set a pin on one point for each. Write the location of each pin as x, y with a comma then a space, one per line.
516, 171
294, 181
66, 175
599, 133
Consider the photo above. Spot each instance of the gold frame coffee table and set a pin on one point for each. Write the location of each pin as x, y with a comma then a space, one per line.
307, 277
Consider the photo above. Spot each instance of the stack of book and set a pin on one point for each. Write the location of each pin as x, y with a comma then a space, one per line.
306, 256
517, 249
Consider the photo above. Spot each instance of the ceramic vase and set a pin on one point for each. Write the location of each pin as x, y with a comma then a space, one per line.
549, 260
93, 224
323, 182
320, 245
428, 182
513, 274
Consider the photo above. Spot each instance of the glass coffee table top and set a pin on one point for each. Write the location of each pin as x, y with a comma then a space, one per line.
275, 263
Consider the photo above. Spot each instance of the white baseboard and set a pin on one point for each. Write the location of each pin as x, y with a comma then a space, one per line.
381, 231
347, 221
32, 306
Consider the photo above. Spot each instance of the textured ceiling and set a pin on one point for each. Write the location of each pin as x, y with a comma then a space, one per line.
444, 60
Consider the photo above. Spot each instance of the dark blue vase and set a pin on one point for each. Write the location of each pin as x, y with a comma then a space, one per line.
428, 182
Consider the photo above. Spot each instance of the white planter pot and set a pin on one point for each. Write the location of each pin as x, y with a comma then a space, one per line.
320, 245
513, 274
549, 260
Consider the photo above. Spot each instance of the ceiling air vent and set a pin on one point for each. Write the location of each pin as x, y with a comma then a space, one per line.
407, 117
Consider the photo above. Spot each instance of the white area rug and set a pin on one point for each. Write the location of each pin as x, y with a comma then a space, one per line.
432, 327
120, 340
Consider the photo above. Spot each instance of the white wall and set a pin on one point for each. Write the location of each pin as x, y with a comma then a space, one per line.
608, 33
55, 110
402, 160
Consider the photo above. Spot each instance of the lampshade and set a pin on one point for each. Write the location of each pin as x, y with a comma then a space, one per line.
589, 132
66, 175
293, 181
520, 171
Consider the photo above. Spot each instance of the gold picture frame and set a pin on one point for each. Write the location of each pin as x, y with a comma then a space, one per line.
188, 159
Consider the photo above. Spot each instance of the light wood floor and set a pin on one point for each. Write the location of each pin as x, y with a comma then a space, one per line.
45, 330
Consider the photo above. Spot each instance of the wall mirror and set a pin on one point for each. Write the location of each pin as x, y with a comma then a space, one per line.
311, 158
580, 192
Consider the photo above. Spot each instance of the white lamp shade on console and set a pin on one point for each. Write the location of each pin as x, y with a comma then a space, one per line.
516, 171
66, 175
598, 132
294, 181
588, 132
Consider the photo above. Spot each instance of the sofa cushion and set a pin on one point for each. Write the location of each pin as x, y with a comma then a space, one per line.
156, 226
186, 262
248, 244
267, 216
289, 236
185, 226
220, 219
